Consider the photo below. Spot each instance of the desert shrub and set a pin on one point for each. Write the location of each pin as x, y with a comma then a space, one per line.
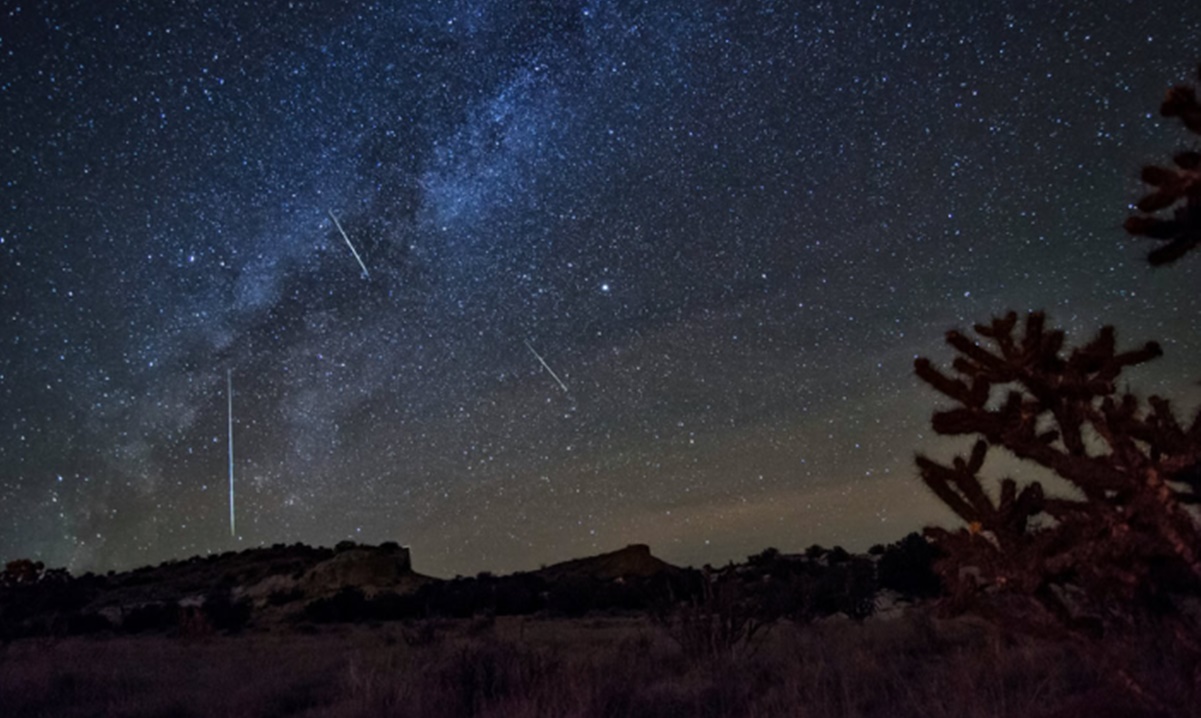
151, 617
766, 557
348, 605
571, 597
615, 596
52, 591
283, 597
22, 572
487, 672
519, 595
224, 613
79, 624
907, 567
420, 633
837, 555
37, 601
481, 625
847, 587
723, 622
390, 606
461, 598
1177, 189
577, 596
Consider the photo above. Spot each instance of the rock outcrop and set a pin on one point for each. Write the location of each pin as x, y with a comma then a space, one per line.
633, 561
369, 569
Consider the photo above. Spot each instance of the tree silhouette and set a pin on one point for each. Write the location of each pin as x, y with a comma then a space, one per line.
1128, 540
1173, 188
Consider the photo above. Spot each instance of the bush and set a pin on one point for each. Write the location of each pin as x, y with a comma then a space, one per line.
79, 624
282, 597
348, 605
907, 567
224, 614
1177, 189
151, 617
1100, 565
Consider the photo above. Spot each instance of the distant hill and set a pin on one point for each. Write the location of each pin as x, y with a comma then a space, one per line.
279, 586
633, 561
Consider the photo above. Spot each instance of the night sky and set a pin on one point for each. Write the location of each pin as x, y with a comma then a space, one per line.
726, 228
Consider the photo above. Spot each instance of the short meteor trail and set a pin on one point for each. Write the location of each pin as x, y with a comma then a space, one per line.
229, 397
546, 366
353, 251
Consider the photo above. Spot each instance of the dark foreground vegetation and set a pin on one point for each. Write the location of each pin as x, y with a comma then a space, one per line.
917, 665
1118, 556
289, 586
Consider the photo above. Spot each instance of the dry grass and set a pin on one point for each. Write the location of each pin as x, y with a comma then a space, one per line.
583, 668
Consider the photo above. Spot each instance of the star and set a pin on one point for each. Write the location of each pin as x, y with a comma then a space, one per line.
778, 210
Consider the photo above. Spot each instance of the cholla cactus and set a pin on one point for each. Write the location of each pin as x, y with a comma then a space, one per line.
1174, 188
1128, 542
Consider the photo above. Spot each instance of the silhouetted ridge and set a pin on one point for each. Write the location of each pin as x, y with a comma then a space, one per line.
633, 561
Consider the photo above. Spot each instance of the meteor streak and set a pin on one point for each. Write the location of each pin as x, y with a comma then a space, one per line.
229, 396
353, 251
546, 366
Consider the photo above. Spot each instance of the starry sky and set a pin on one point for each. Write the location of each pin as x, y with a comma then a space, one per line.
727, 228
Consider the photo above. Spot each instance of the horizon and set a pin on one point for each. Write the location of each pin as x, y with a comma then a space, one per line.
394, 545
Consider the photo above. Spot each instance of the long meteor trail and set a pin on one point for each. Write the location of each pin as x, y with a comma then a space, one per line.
229, 396
545, 365
353, 251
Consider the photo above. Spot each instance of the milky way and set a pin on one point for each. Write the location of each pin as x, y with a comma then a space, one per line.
726, 228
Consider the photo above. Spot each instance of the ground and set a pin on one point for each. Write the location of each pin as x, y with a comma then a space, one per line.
913, 665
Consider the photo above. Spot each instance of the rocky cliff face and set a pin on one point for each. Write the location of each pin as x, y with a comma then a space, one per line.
370, 569
634, 561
